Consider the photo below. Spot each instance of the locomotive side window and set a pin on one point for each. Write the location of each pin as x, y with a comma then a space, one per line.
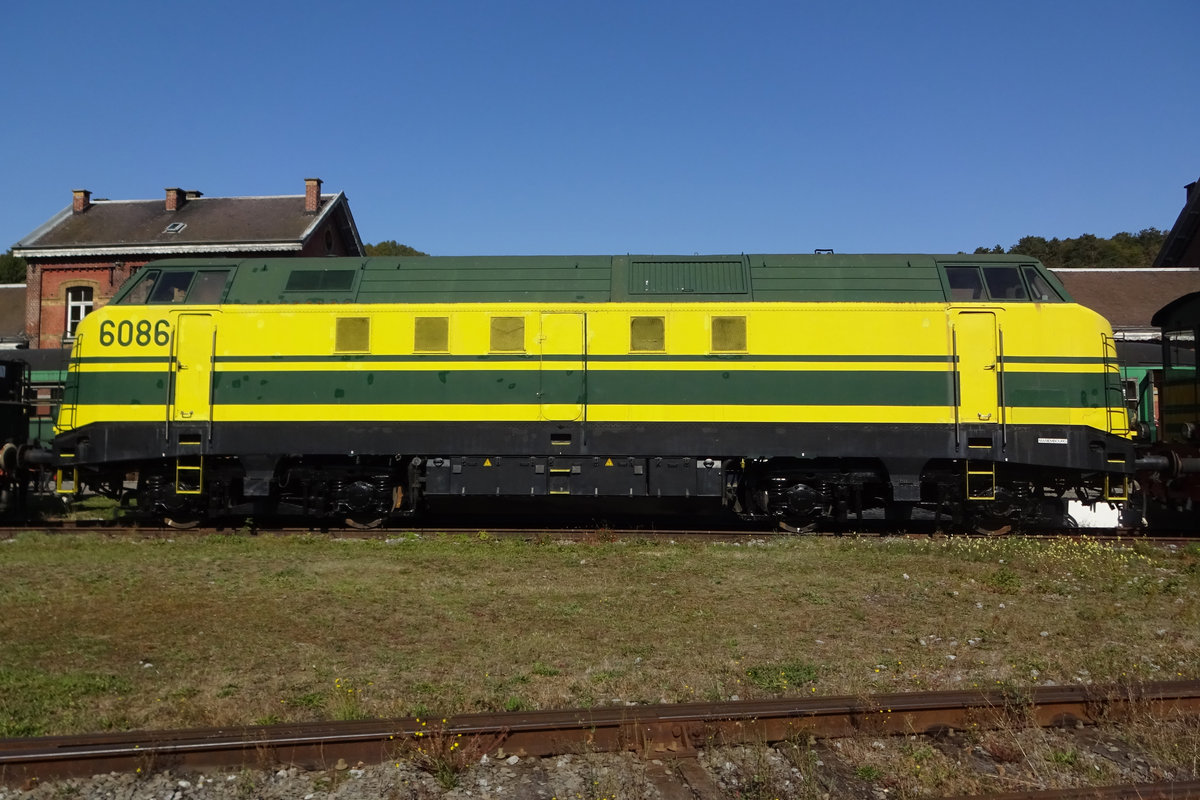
1004, 283
1039, 287
140, 292
431, 335
209, 286
729, 334
965, 283
508, 335
1180, 350
353, 335
171, 287
647, 334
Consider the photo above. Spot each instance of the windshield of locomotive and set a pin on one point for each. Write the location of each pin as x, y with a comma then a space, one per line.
141, 289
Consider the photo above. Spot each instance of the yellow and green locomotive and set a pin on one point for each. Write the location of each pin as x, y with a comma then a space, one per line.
784, 386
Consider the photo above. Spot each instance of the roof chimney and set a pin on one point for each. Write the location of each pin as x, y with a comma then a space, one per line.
82, 201
175, 199
312, 195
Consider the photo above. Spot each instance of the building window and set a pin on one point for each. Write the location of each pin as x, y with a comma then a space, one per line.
79, 305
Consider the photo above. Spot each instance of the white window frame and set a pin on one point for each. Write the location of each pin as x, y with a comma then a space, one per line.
80, 302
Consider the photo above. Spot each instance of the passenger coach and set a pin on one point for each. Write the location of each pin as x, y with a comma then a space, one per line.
782, 386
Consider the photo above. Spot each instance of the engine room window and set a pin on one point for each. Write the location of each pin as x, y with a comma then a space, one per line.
171, 287
1004, 283
140, 292
647, 334
353, 335
729, 334
79, 305
965, 283
432, 335
209, 286
508, 335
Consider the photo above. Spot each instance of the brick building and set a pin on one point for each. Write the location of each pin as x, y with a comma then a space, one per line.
81, 256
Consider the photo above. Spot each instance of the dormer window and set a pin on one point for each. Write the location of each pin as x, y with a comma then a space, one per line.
175, 227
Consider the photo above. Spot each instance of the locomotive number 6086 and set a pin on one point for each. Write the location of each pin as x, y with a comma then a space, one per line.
127, 332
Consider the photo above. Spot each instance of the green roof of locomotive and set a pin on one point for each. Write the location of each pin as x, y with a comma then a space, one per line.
821, 277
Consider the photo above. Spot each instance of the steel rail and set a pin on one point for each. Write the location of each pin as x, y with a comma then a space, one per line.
1175, 790
656, 731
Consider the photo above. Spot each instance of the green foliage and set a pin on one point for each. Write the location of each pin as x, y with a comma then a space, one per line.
1122, 250
781, 677
12, 269
392, 248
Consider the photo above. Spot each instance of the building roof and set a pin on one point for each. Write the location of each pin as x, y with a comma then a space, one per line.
198, 225
1182, 246
1128, 297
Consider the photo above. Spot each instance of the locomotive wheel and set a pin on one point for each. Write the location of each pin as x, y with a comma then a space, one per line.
181, 522
364, 523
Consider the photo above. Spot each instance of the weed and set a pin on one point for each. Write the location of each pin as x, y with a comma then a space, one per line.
443, 754
544, 670
868, 772
1004, 579
781, 677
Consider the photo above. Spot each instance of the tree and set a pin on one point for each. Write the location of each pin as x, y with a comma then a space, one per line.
12, 268
1088, 250
392, 248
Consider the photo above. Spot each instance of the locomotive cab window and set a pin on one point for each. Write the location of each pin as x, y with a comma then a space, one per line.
209, 286
647, 334
728, 334
1004, 283
140, 292
171, 287
1039, 288
431, 335
965, 283
507, 335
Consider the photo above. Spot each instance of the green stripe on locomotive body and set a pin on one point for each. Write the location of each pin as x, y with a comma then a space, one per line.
602, 387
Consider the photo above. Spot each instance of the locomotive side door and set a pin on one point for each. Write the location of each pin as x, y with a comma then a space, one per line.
562, 391
978, 366
192, 367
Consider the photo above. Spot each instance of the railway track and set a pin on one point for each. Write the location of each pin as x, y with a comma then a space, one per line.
676, 733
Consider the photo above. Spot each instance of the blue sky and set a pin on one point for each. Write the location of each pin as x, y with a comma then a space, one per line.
612, 127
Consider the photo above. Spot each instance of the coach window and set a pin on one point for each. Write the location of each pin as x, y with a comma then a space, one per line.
1004, 283
431, 335
647, 334
728, 334
171, 288
508, 335
965, 283
79, 305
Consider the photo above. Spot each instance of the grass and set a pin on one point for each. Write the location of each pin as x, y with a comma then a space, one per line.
124, 633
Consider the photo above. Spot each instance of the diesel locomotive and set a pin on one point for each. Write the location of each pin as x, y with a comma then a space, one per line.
783, 387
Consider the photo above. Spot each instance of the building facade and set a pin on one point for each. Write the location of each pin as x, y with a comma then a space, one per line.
80, 257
